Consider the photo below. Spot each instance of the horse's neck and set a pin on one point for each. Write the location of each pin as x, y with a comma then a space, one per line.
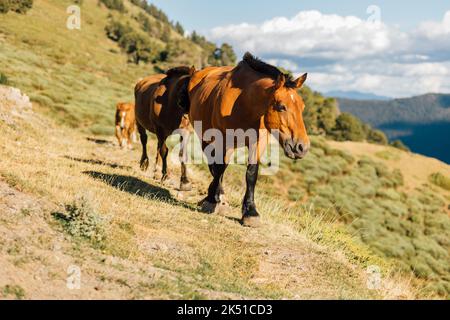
254, 91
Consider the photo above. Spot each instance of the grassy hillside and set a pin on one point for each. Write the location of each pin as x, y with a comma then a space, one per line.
82, 201
346, 207
384, 196
77, 76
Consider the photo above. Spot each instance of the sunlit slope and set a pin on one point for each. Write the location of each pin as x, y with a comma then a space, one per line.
385, 196
76, 76
82, 202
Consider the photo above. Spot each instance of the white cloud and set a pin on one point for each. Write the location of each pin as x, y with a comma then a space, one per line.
433, 30
313, 33
348, 53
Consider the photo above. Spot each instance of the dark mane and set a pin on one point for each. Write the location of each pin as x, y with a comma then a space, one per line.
266, 69
178, 71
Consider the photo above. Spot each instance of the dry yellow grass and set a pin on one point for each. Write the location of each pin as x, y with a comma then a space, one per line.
157, 245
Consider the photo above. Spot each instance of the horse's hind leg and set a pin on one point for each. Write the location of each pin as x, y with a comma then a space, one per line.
163, 152
144, 138
185, 184
224, 206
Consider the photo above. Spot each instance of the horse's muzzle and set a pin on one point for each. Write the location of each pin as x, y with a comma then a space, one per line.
295, 149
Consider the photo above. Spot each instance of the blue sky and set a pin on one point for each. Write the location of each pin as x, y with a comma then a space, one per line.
400, 48
205, 14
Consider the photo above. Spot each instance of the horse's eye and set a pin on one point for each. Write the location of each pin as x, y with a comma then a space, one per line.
280, 107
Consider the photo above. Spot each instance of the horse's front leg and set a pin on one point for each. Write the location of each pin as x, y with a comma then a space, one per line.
119, 135
212, 202
250, 216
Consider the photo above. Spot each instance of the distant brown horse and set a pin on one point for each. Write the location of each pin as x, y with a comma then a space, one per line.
251, 96
125, 124
161, 101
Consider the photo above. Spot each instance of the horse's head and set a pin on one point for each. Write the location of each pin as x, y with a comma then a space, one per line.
123, 109
285, 116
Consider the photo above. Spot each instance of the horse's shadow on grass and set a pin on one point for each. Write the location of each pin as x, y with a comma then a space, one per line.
98, 162
99, 141
139, 188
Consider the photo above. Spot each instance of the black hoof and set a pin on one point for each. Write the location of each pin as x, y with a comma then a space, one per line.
251, 221
144, 164
250, 218
185, 186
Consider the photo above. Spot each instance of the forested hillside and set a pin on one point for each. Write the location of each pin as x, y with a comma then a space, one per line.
77, 76
422, 122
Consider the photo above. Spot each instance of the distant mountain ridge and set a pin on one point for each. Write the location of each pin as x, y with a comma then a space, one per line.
355, 95
421, 122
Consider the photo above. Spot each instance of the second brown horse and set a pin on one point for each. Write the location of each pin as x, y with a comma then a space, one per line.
161, 101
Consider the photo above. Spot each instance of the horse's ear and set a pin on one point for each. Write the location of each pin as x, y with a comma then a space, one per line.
280, 82
192, 71
300, 81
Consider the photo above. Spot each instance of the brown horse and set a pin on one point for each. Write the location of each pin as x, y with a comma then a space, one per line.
251, 97
161, 101
125, 124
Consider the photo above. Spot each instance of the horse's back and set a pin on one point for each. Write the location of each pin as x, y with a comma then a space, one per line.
204, 91
144, 93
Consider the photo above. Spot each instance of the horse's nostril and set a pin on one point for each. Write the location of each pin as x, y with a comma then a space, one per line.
299, 148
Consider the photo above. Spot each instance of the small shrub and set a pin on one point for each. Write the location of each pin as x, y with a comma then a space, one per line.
80, 220
295, 194
114, 5
440, 180
387, 155
19, 6
3, 78
377, 136
348, 128
138, 46
13, 291
399, 145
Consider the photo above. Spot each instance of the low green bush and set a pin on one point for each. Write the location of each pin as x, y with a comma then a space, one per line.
440, 180
411, 228
81, 221
3, 79
19, 6
114, 5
